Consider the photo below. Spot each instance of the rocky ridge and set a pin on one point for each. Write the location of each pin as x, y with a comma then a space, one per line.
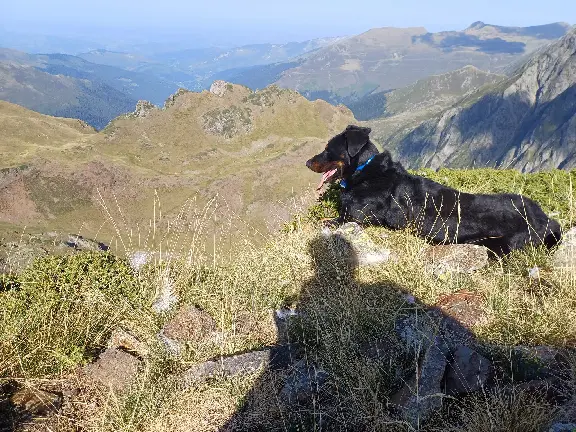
526, 122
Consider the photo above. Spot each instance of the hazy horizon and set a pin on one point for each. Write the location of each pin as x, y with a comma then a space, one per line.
109, 24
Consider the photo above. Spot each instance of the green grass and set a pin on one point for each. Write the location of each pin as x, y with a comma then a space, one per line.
58, 314
61, 310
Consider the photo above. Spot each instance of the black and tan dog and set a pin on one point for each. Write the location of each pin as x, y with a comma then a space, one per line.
378, 191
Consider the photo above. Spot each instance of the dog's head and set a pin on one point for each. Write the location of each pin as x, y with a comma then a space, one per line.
342, 154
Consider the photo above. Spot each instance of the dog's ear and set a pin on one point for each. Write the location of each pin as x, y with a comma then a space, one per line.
356, 138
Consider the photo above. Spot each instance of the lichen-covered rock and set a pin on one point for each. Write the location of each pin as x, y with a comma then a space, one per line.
114, 368
455, 258
467, 308
366, 251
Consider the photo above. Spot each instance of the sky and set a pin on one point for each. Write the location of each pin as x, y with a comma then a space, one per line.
256, 21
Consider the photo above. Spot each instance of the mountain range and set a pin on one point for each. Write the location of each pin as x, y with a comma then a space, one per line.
526, 121
99, 85
384, 59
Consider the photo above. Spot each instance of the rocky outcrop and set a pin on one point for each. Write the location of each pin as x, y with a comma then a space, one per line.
143, 109
526, 122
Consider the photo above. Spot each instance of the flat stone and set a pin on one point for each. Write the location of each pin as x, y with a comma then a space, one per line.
242, 364
366, 251
36, 403
467, 372
303, 383
468, 308
190, 324
274, 358
454, 258
114, 368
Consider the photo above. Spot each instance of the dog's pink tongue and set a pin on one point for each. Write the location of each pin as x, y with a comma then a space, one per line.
325, 177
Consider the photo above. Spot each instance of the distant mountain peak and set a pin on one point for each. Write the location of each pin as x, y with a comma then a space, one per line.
476, 25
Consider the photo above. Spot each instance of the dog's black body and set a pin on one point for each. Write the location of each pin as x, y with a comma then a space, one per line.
384, 193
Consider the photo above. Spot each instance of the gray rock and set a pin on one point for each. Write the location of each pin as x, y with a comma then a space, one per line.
563, 427
35, 402
219, 88
189, 325
303, 383
242, 364
538, 362
418, 332
82, 243
467, 372
455, 258
367, 252
422, 396
114, 368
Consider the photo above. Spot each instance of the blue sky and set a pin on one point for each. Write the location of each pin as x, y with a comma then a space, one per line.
272, 21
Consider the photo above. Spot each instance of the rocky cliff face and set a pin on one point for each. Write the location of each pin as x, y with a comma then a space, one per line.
526, 122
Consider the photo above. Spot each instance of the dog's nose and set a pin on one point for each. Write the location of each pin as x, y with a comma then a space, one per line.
309, 163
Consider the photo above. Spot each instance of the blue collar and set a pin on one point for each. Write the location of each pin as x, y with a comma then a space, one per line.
360, 168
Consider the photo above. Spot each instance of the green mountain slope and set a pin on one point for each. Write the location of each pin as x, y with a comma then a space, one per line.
245, 149
27, 77
93, 102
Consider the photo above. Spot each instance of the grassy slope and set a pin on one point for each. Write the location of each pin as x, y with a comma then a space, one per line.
344, 309
110, 182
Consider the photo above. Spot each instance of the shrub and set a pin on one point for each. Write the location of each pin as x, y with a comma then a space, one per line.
63, 311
